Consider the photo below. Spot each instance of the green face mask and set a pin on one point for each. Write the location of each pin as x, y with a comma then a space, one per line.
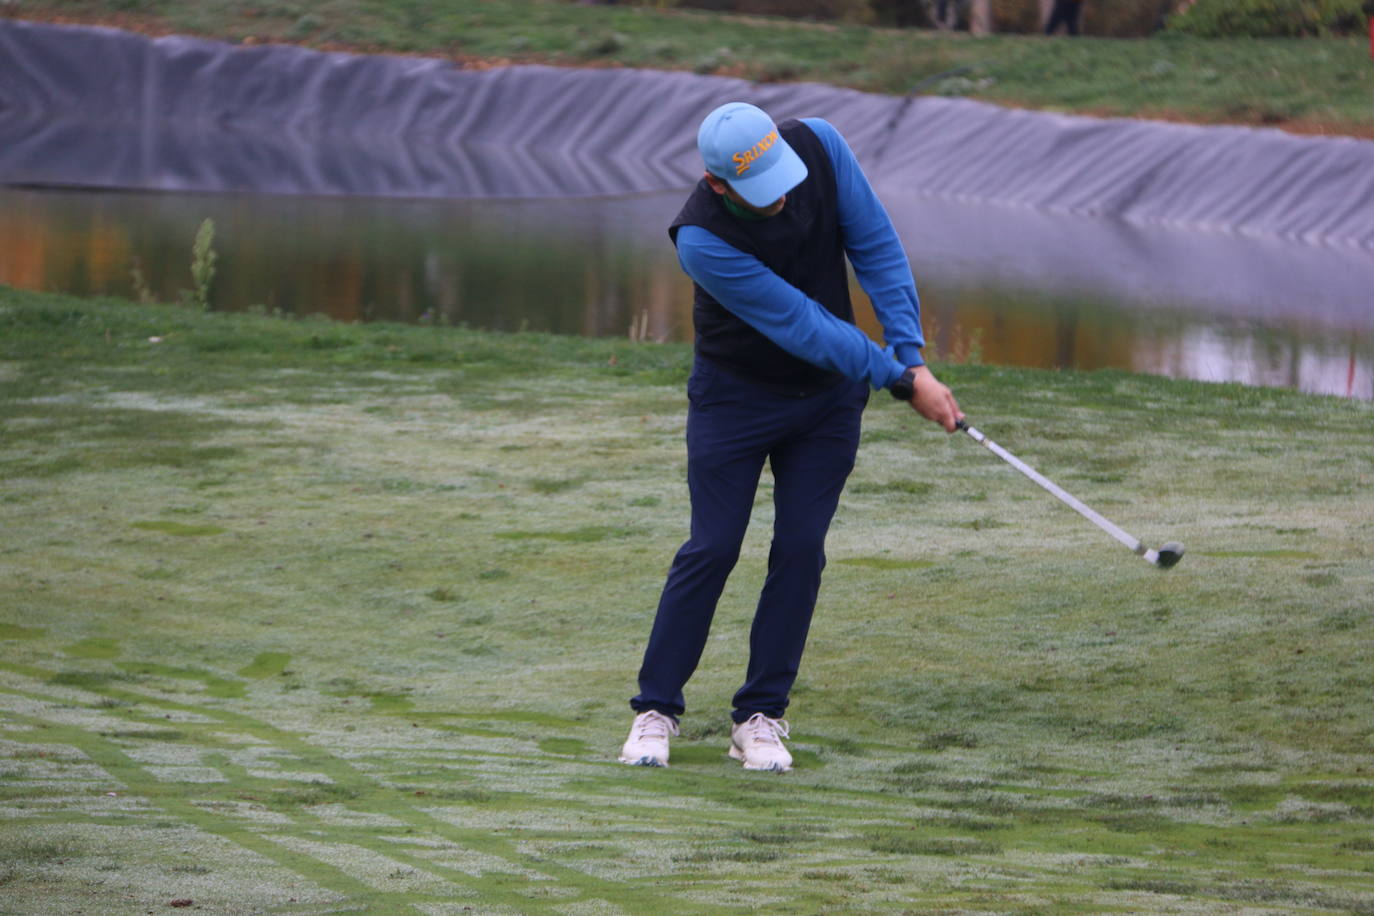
738, 211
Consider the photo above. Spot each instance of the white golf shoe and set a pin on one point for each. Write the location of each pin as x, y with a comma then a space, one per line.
757, 741
647, 745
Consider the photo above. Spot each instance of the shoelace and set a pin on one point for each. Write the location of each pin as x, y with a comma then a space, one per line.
654, 725
766, 730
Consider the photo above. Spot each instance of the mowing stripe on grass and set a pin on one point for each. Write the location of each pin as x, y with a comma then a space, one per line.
346, 782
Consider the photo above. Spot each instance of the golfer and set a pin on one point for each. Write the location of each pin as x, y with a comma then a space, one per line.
781, 373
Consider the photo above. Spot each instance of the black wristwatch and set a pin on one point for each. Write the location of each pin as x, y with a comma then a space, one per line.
904, 389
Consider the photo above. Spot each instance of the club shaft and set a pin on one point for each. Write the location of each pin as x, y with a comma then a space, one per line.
1061, 494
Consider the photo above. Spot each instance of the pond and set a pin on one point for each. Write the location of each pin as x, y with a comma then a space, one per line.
998, 285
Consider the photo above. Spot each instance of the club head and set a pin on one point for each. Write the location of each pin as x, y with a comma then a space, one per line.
1169, 555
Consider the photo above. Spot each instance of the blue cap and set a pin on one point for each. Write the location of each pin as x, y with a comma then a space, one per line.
741, 145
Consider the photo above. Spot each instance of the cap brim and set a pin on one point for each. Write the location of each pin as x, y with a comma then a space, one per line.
766, 187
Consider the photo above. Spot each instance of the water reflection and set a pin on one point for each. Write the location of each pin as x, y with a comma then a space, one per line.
993, 289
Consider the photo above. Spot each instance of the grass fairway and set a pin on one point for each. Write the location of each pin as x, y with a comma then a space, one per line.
301, 617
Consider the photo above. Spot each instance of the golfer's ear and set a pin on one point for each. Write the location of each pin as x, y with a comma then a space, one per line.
716, 184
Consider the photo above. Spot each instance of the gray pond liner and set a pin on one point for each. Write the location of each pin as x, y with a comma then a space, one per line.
1256, 220
100, 107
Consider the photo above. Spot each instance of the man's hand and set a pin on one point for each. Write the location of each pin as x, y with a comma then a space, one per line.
934, 401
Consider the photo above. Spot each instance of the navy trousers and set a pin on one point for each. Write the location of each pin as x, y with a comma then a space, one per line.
1065, 13
733, 426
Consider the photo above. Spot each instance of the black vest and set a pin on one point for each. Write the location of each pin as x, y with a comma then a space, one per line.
802, 244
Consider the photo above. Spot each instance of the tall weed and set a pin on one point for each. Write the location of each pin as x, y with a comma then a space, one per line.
203, 258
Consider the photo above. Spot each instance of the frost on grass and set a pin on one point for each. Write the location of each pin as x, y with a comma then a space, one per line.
187, 774
1120, 735
162, 753
137, 868
375, 868
340, 815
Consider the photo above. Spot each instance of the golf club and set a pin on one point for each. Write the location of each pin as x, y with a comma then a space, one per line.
1166, 556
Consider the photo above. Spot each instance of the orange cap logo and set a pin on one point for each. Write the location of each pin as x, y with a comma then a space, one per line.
746, 158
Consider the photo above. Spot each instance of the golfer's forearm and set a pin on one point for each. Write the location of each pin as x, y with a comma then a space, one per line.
781, 312
874, 248
885, 275
899, 313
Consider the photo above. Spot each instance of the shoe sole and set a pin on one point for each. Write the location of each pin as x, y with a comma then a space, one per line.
774, 767
644, 762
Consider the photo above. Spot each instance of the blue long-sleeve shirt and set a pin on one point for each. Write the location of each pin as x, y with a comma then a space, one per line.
798, 324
